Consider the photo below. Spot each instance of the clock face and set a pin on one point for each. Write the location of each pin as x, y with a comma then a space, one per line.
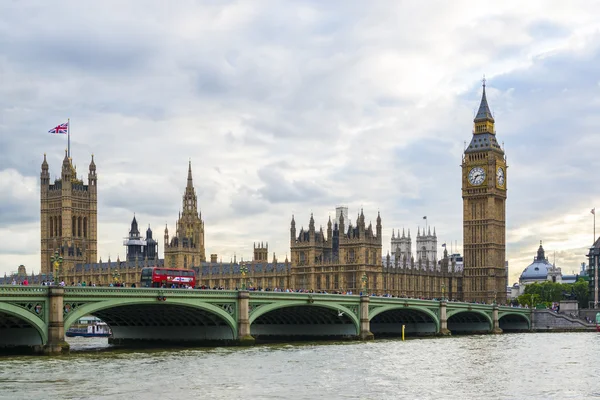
500, 176
476, 176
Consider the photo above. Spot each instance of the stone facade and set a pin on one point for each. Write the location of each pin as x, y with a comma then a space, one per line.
339, 259
68, 216
484, 212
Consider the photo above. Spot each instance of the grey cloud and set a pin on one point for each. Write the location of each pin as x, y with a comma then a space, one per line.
278, 189
289, 107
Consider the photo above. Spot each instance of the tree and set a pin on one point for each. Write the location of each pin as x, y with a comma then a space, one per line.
582, 292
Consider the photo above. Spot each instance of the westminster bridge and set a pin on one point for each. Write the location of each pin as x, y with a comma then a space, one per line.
36, 317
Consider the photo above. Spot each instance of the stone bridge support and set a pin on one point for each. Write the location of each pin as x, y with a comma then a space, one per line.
444, 331
244, 337
56, 327
496, 324
365, 323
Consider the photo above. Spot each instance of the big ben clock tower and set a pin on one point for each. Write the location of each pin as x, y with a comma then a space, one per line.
484, 212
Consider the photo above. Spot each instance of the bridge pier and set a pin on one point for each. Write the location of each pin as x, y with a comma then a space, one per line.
444, 331
365, 323
496, 328
244, 338
56, 327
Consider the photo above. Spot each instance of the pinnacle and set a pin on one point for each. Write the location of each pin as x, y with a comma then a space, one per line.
189, 178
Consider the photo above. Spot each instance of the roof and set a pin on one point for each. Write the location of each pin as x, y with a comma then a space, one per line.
483, 142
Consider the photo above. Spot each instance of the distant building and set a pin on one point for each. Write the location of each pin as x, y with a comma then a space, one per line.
540, 270
426, 246
139, 248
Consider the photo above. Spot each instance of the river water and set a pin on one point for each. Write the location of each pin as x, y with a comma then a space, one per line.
508, 366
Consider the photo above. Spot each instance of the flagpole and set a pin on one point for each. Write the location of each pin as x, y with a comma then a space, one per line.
69, 137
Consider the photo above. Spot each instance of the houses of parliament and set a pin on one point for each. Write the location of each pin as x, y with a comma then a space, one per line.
346, 256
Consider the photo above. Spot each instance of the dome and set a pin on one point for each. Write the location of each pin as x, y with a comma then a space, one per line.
538, 270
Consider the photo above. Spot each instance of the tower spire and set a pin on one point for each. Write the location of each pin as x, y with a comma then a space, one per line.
484, 120
190, 182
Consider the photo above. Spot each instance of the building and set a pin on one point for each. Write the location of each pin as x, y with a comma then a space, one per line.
68, 216
349, 251
593, 261
138, 248
539, 271
186, 248
484, 184
401, 246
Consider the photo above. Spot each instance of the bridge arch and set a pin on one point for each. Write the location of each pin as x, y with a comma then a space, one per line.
469, 321
514, 322
20, 327
149, 319
388, 320
303, 319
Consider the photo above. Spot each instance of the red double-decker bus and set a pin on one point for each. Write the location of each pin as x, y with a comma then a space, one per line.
159, 276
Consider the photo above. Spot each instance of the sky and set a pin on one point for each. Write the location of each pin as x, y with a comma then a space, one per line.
296, 107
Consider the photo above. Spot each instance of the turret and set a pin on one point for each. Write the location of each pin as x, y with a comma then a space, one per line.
293, 231
67, 171
92, 178
134, 231
45, 175
166, 236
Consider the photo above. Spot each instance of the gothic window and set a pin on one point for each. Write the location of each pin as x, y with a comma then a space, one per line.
351, 256
85, 227
73, 226
302, 259
51, 226
319, 282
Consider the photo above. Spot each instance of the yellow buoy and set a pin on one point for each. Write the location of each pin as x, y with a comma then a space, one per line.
403, 326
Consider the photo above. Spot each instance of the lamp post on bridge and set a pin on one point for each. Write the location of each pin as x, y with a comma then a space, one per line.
443, 292
243, 271
365, 281
116, 275
56, 261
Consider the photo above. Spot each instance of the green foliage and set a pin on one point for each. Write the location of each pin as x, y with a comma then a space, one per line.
581, 290
550, 292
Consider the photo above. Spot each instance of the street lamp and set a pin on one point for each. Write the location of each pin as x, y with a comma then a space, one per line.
56, 261
443, 291
243, 271
116, 276
365, 281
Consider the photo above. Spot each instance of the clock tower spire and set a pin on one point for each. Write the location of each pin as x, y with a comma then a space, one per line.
484, 211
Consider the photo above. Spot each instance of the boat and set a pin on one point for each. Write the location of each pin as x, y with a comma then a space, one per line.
598, 322
89, 327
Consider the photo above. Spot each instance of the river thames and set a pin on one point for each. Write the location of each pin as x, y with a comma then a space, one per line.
509, 366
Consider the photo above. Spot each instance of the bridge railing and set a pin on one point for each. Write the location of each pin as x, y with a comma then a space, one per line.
111, 291
11, 290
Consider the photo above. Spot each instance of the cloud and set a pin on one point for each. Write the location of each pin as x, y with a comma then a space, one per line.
298, 107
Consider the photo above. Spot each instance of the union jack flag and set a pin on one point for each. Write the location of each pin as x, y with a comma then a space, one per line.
62, 128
